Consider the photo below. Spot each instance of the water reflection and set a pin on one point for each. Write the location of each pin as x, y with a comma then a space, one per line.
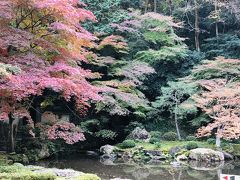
153, 170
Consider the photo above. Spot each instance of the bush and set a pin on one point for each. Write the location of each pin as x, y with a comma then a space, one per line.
211, 141
155, 134
154, 140
191, 138
157, 144
191, 145
127, 144
170, 136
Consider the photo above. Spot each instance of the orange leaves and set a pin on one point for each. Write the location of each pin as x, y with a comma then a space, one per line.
117, 42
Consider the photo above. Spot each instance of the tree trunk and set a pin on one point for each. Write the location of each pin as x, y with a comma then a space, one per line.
146, 6
11, 139
155, 6
176, 118
218, 139
170, 7
216, 24
197, 29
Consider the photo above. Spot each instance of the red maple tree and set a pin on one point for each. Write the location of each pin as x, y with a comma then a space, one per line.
41, 46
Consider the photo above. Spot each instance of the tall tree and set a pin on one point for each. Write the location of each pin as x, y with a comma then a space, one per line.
42, 45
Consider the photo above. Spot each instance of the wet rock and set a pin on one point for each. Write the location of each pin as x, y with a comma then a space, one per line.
182, 157
107, 149
139, 134
174, 150
175, 164
206, 165
153, 152
204, 154
228, 156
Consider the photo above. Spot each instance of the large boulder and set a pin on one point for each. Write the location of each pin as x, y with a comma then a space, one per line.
139, 134
204, 154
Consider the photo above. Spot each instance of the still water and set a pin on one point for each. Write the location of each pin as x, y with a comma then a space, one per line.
144, 171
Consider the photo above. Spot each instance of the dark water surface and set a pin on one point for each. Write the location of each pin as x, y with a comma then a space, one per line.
144, 171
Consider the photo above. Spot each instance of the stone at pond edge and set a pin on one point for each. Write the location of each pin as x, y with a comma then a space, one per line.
228, 156
107, 149
182, 157
174, 150
139, 134
204, 154
153, 152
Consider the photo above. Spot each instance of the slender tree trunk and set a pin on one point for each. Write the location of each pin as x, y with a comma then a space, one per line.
216, 24
176, 118
146, 6
170, 7
218, 139
11, 139
155, 6
197, 29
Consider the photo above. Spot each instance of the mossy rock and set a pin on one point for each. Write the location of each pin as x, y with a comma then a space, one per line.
88, 177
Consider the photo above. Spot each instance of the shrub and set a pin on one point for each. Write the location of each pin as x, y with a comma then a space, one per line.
170, 136
127, 144
157, 144
191, 145
153, 140
191, 138
211, 141
155, 134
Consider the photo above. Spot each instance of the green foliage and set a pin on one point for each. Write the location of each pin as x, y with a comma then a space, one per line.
107, 12
191, 145
211, 141
166, 55
170, 136
156, 134
106, 134
127, 144
154, 140
227, 45
191, 138
158, 145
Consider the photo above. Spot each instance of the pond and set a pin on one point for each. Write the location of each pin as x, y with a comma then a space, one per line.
143, 171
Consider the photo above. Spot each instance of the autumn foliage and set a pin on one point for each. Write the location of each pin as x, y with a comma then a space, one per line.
41, 47
220, 98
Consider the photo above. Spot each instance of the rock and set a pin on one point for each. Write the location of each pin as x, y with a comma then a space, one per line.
44, 152
139, 134
174, 150
206, 165
228, 156
153, 152
175, 164
182, 157
107, 149
119, 179
66, 173
106, 161
18, 164
204, 154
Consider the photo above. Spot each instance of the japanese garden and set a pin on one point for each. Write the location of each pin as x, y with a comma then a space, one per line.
119, 89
